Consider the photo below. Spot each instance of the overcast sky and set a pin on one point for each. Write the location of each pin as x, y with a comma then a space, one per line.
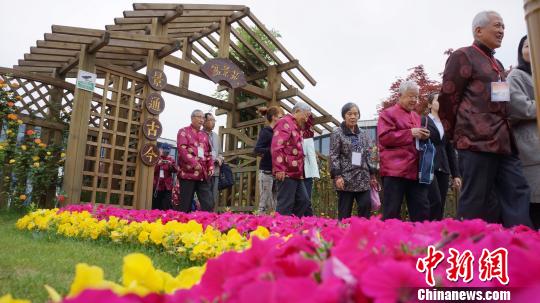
354, 49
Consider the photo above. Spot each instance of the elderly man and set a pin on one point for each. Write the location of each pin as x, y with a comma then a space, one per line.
397, 129
217, 157
474, 112
195, 164
288, 161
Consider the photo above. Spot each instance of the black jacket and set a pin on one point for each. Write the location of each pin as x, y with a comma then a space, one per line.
445, 155
262, 148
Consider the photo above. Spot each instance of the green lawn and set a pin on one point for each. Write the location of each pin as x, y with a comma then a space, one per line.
29, 260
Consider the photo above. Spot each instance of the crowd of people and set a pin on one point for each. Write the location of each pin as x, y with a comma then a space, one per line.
478, 135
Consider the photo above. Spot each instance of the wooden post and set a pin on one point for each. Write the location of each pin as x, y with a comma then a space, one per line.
274, 84
53, 136
224, 38
145, 174
532, 16
78, 130
186, 55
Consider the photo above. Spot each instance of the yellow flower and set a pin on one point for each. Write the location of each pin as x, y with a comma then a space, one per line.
261, 232
35, 158
138, 267
36, 164
19, 121
8, 131
22, 197
48, 153
190, 276
62, 155
9, 299
12, 161
23, 147
42, 145
87, 276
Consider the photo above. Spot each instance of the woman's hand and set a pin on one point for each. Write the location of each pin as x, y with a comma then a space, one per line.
340, 183
456, 182
374, 183
420, 133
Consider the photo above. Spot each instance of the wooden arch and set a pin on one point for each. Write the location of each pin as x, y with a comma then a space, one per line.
105, 126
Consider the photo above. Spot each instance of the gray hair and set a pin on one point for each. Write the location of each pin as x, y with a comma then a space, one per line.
303, 106
482, 19
195, 112
347, 107
408, 85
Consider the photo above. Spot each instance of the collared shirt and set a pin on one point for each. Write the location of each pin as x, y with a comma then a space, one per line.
439, 125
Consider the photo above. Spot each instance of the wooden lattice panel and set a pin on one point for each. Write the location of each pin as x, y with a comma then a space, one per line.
112, 144
36, 101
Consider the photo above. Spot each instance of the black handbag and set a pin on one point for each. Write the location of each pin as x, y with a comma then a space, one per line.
226, 179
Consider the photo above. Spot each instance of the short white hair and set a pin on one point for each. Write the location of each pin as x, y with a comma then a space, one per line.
482, 19
303, 106
408, 85
196, 112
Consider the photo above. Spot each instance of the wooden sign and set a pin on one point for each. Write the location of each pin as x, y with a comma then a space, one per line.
224, 70
152, 128
149, 154
157, 79
154, 103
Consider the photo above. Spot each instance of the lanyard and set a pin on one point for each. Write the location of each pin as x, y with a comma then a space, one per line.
491, 60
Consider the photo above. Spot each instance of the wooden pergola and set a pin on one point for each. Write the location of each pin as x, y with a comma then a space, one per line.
105, 130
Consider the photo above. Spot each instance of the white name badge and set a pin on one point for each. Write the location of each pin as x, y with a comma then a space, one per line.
500, 92
356, 159
200, 152
161, 174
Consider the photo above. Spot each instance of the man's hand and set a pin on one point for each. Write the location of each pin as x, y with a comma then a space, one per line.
280, 176
420, 133
340, 183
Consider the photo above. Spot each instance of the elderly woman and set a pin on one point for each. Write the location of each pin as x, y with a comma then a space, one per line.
288, 161
397, 129
523, 118
267, 198
349, 155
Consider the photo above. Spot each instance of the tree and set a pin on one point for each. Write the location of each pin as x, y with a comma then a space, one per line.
426, 85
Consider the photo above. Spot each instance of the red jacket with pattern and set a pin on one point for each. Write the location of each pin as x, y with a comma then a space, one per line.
397, 147
467, 113
193, 167
166, 163
286, 149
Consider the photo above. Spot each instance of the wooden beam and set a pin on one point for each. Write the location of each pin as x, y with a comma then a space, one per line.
58, 45
169, 49
212, 28
42, 122
136, 44
99, 43
39, 78
125, 27
186, 55
279, 68
250, 103
174, 26
224, 38
50, 58
249, 46
54, 52
68, 66
184, 65
69, 38
169, 16
39, 63
269, 51
280, 46
323, 119
256, 91
293, 92
165, 6
188, 94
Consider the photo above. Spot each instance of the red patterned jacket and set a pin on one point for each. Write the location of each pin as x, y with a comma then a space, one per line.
166, 163
397, 149
191, 166
469, 117
287, 151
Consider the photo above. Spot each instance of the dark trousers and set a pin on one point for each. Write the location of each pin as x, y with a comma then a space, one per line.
308, 182
292, 197
346, 200
490, 181
535, 214
188, 188
437, 195
395, 189
162, 199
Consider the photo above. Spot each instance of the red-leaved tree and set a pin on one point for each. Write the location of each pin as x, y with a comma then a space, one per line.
426, 85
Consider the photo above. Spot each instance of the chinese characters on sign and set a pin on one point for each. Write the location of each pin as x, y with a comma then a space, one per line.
152, 129
157, 79
154, 104
491, 265
149, 154
224, 70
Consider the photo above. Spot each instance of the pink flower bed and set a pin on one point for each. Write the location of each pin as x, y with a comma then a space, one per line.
365, 261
